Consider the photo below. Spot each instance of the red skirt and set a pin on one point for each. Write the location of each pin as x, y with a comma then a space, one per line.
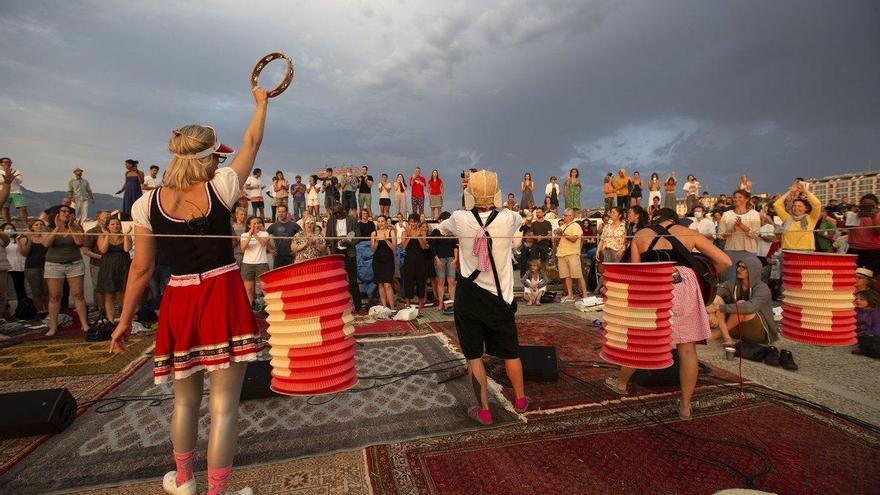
205, 322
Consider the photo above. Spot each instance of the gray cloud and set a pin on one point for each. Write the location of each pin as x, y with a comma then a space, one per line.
772, 89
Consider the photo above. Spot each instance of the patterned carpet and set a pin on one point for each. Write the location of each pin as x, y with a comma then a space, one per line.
384, 327
605, 451
343, 473
83, 388
54, 358
132, 443
577, 346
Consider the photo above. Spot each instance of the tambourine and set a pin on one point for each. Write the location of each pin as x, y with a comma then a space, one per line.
288, 78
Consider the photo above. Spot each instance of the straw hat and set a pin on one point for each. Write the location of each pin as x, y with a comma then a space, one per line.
483, 186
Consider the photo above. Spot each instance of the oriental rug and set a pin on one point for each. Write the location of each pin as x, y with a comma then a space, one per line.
53, 358
133, 441
342, 473
577, 347
384, 327
84, 388
619, 449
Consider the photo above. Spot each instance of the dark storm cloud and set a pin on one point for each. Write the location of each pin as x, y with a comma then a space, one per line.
718, 88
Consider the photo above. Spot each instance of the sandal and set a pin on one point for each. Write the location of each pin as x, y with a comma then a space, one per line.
611, 384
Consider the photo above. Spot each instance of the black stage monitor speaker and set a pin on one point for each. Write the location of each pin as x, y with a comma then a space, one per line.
666, 377
38, 412
256, 381
539, 363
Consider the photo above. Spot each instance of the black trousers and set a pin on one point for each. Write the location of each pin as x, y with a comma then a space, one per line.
18, 283
353, 287
623, 201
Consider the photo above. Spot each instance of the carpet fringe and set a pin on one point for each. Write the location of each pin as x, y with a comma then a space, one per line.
634, 398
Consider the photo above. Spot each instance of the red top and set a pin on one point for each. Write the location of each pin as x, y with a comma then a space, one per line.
434, 186
417, 185
865, 237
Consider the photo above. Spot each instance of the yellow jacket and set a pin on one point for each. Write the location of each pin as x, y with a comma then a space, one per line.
794, 236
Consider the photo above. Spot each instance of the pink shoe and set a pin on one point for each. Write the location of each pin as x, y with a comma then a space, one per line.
477, 415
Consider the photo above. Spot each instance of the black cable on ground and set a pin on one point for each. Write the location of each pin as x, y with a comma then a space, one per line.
633, 417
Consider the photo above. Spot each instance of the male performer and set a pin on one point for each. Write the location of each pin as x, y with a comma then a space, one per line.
484, 306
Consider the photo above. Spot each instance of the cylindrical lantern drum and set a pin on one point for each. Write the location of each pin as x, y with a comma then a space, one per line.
818, 304
310, 327
636, 327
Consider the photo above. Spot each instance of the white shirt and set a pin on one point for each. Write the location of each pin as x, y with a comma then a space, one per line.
852, 219
225, 184
691, 188
16, 260
704, 226
149, 181
341, 231
550, 187
764, 246
463, 225
255, 253
739, 240
253, 187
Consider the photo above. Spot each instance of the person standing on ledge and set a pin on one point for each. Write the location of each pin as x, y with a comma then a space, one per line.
484, 307
205, 322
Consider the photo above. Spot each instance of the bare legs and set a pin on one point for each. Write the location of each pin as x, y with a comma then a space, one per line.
56, 289
386, 296
249, 288
687, 374
223, 405
477, 376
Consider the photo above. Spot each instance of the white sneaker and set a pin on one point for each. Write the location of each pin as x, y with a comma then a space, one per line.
169, 483
244, 491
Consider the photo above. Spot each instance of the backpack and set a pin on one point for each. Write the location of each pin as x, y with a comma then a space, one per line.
25, 309
699, 263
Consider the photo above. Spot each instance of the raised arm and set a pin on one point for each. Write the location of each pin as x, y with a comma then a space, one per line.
253, 137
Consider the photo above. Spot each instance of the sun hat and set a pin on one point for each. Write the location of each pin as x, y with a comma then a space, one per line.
865, 272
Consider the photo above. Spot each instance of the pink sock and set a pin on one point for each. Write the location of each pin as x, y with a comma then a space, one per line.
520, 402
485, 415
184, 465
217, 478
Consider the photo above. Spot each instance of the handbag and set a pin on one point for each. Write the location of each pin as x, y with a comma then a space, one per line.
100, 329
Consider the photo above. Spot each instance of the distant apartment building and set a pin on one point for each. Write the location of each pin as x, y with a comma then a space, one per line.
850, 185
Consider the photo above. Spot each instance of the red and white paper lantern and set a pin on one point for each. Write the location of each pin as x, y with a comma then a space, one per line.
310, 327
636, 327
818, 302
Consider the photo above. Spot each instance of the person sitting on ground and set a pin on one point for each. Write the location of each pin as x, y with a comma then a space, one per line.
534, 283
868, 323
744, 307
798, 223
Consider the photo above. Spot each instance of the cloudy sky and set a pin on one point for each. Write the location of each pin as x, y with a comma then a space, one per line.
717, 88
